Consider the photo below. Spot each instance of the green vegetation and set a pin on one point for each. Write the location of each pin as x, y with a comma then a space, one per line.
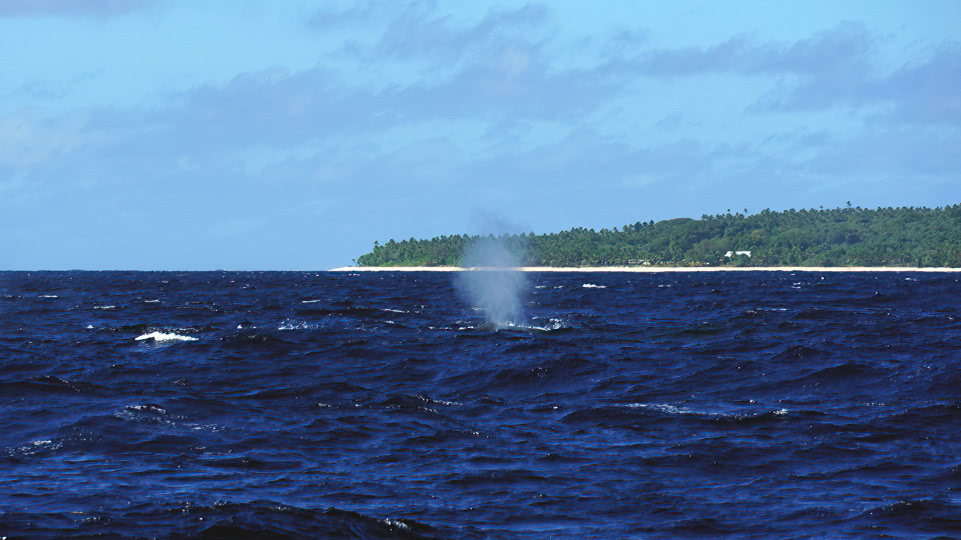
839, 237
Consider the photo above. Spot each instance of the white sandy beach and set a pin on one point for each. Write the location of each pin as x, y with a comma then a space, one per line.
648, 269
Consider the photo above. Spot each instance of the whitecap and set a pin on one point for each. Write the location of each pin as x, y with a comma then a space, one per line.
674, 410
393, 310
163, 336
592, 286
396, 524
104, 307
429, 399
662, 407
295, 325
47, 296
36, 447
310, 301
148, 408
552, 324
213, 428
151, 301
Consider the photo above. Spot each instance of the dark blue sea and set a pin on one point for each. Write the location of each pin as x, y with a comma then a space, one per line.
231, 405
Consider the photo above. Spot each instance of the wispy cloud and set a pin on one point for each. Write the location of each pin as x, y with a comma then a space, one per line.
841, 50
927, 91
335, 16
85, 8
830, 68
906, 152
277, 107
30, 138
836, 67
436, 36
52, 88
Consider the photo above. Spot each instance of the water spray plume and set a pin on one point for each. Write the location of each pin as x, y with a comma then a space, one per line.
493, 283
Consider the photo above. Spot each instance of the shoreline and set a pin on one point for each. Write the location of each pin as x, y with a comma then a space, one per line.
648, 269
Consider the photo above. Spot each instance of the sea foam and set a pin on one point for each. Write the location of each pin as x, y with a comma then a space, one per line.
163, 336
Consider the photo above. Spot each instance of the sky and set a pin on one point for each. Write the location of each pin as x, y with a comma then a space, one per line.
292, 135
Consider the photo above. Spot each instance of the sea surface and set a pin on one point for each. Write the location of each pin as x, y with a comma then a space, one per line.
389, 405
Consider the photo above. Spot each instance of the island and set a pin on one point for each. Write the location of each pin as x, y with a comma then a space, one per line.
849, 237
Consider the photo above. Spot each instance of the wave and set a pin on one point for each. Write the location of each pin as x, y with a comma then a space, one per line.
219, 521
649, 411
296, 325
161, 337
50, 384
633, 415
551, 325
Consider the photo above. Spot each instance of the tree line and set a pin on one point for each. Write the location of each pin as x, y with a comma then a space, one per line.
851, 236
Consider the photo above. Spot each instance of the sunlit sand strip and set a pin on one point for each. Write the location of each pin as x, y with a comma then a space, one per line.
397, 269
648, 269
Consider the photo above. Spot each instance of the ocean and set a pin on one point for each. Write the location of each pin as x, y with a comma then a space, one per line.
398, 405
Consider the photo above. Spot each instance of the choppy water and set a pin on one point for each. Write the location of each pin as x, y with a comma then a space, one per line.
316, 405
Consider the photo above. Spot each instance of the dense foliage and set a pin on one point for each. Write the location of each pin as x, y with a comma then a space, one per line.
838, 237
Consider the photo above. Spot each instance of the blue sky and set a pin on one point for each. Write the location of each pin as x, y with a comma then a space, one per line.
165, 134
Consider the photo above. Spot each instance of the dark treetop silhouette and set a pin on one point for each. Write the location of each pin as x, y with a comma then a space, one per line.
851, 236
